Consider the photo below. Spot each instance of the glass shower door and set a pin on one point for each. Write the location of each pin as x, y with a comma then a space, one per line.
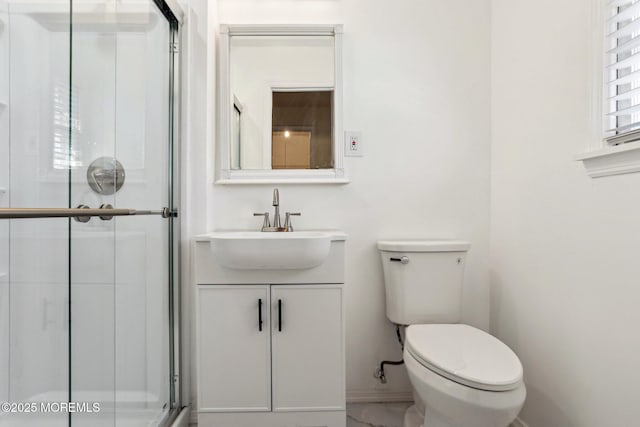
34, 253
86, 301
120, 267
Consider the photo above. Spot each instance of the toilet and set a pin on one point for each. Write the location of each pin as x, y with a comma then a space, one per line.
461, 376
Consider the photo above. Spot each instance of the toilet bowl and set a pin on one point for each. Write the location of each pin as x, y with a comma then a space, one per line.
462, 377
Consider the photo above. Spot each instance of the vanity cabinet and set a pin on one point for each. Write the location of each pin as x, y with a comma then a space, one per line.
307, 348
235, 358
270, 343
271, 348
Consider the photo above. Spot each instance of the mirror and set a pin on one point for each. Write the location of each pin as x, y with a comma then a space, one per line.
280, 104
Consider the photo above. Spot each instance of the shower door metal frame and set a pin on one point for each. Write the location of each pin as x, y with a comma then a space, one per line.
173, 14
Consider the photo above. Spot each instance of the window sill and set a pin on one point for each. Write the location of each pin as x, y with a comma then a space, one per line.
616, 160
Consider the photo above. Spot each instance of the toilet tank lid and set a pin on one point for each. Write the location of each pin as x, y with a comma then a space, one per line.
424, 245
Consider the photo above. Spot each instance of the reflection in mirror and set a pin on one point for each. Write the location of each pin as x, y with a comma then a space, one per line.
236, 119
281, 102
302, 130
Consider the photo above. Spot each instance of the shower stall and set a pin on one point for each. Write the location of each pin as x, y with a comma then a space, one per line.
89, 281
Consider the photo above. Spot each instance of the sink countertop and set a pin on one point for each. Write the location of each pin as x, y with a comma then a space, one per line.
335, 235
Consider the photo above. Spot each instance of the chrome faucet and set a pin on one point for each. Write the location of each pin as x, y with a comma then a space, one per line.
287, 220
276, 204
277, 223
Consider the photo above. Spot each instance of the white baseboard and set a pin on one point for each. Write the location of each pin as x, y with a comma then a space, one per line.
519, 423
368, 397
361, 396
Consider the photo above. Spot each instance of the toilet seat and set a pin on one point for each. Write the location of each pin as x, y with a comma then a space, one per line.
465, 355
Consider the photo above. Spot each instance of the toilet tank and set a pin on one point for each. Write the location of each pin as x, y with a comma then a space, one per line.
423, 279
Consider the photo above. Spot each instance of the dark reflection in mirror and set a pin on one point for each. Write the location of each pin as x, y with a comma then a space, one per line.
302, 130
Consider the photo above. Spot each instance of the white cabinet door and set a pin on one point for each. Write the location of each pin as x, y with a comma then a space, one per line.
307, 348
234, 363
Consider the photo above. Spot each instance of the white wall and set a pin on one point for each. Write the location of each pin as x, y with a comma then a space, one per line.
416, 83
564, 247
197, 113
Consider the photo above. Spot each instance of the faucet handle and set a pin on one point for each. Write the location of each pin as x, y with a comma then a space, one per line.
265, 223
287, 220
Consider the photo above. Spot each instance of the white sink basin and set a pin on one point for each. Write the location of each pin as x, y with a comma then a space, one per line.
255, 250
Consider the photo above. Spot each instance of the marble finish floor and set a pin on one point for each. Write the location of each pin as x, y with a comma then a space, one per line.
376, 414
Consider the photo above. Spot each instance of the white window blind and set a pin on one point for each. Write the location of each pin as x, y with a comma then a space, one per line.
622, 71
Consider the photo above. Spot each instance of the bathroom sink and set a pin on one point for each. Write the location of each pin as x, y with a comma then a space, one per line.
255, 250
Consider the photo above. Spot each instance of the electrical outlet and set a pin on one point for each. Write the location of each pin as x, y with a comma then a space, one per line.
353, 143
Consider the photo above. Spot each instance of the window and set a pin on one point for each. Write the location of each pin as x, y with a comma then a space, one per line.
614, 144
622, 71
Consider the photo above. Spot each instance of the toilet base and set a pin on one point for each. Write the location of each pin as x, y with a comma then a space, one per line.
414, 417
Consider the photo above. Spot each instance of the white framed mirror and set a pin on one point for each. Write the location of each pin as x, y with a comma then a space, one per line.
280, 104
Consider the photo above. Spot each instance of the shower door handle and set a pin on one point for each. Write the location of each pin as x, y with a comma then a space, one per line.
18, 213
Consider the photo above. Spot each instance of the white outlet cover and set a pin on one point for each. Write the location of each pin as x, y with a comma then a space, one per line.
353, 144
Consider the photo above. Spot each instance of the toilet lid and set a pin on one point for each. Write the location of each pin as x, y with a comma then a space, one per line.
465, 355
